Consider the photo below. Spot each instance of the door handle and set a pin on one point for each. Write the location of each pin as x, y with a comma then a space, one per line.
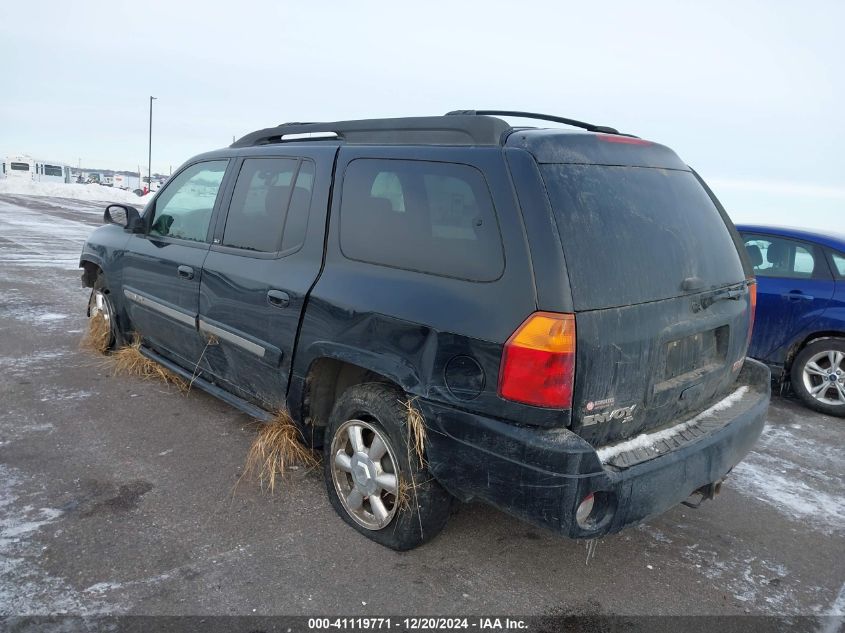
278, 298
796, 295
185, 272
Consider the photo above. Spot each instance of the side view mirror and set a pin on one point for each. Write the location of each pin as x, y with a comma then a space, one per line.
123, 215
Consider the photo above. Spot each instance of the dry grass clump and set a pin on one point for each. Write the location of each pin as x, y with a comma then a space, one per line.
129, 361
276, 448
98, 336
403, 495
407, 493
416, 432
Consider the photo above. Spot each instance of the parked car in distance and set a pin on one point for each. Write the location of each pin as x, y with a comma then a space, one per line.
539, 296
799, 330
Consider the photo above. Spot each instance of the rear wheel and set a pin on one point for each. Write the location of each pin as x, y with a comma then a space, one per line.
818, 376
374, 481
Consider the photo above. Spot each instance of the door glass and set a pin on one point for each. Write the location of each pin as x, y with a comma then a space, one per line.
184, 208
777, 257
260, 204
296, 223
435, 218
839, 264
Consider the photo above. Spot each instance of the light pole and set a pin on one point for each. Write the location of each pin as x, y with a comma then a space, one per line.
150, 150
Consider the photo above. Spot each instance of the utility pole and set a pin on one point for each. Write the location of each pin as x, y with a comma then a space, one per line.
150, 150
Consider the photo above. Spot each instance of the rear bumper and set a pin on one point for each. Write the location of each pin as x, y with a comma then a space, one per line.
541, 475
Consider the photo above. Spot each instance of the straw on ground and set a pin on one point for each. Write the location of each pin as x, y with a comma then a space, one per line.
129, 361
98, 335
276, 448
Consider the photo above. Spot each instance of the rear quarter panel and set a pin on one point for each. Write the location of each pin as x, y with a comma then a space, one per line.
831, 322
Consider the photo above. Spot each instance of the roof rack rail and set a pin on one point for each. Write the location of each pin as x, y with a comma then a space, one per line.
432, 130
534, 115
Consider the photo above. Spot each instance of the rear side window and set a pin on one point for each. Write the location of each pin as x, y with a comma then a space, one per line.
430, 217
259, 204
839, 264
19, 166
269, 208
636, 234
52, 170
296, 223
778, 257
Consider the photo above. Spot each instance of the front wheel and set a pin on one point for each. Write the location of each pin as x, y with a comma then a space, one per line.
818, 376
103, 333
374, 479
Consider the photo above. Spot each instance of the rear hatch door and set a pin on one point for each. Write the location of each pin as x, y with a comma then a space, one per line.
658, 287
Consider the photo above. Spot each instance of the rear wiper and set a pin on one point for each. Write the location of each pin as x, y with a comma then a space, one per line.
732, 294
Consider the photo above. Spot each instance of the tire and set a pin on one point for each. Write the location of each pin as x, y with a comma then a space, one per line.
819, 363
418, 507
100, 301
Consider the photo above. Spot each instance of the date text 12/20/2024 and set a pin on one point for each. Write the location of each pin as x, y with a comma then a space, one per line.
416, 624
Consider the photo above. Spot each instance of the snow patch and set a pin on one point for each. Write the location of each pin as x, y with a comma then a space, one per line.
102, 587
50, 316
647, 440
41, 240
74, 191
25, 589
754, 581
767, 478
52, 395
23, 365
837, 613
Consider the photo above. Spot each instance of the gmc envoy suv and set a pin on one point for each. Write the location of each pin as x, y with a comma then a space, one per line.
567, 309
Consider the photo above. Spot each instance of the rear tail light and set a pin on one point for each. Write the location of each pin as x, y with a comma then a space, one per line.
538, 361
752, 295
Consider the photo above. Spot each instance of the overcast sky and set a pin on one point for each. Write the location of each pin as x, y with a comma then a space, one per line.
748, 93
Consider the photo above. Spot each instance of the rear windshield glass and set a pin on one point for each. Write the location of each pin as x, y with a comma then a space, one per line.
634, 234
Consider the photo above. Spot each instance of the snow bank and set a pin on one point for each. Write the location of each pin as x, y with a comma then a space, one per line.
95, 193
647, 440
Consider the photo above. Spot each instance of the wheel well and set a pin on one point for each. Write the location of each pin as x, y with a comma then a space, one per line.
90, 271
812, 338
326, 380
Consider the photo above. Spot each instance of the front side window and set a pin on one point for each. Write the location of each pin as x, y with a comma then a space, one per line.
19, 166
429, 217
269, 208
52, 170
778, 257
184, 208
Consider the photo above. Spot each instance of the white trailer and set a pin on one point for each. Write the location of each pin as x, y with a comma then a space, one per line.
23, 167
123, 181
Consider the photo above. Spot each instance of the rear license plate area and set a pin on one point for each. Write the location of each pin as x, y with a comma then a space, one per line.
694, 352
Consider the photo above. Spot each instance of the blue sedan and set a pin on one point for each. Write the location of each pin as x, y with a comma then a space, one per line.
799, 330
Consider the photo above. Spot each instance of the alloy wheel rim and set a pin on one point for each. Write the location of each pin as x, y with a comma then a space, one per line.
824, 377
365, 475
99, 305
